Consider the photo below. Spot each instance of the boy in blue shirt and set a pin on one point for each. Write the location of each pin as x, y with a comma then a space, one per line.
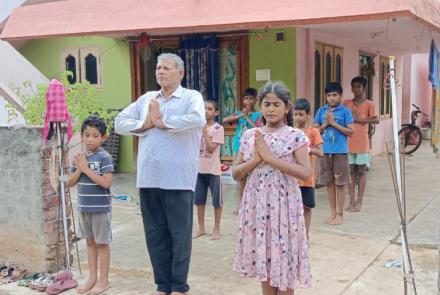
335, 122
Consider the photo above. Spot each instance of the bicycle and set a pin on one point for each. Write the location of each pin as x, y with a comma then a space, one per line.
410, 135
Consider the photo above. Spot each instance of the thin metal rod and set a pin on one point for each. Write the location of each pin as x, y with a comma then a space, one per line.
393, 176
74, 227
397, 162
63, 197
58, 232
74, 231
395, 126
402, 157
411, 270
398, 170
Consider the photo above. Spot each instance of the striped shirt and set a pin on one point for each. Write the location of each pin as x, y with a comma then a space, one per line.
167, 159
92, 197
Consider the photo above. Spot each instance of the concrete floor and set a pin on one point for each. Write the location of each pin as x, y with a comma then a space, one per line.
348, 259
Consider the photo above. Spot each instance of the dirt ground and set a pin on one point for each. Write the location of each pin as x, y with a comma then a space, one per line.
349, 259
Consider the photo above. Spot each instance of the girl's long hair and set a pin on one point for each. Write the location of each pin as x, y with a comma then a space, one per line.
282, 92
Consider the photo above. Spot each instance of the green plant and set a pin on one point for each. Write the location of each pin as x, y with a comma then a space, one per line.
82, 101
12, 112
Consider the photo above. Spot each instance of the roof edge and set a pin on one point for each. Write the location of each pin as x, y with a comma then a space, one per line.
229, 26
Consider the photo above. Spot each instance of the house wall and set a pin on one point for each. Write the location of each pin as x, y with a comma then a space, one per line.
14, 71
421, 88
305, 53
28, 213
5, 118
115, 91
280, 57
3, 112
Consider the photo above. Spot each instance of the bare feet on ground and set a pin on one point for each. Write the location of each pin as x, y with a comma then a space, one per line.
84, 288
330, 219
351, 208
159, 293
337, 220
99, 288
199, 233
358, 207
215, 234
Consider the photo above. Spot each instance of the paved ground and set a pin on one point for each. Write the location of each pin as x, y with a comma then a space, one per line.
348, 259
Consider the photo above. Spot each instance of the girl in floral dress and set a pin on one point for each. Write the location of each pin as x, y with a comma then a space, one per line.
271, 241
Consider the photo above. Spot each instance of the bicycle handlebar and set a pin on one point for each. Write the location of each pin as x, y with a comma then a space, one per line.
418, 110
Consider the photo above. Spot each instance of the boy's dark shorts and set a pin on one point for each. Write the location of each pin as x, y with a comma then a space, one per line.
358, 169
308, 196
205, 181
333, 168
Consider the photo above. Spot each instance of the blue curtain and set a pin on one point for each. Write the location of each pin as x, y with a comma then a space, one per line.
200, 54
433, 66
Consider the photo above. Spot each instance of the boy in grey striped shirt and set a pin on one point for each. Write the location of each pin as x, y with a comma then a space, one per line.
92, 172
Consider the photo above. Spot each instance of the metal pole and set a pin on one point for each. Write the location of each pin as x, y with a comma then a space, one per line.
63, 197
408, 273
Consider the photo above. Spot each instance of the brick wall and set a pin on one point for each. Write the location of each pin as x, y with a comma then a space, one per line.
29, 211
51, 211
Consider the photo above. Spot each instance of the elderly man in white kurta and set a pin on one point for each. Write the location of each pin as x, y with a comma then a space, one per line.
169, 124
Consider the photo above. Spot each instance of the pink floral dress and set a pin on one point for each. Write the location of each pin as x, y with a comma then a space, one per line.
271, 240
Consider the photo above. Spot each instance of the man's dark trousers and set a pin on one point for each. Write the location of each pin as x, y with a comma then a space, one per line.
167, 216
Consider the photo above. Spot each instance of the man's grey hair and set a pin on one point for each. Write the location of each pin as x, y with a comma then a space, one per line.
177, 59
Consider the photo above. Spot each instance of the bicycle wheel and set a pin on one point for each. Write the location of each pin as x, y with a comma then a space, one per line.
410, 139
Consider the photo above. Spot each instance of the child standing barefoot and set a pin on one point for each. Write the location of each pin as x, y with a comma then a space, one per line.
209, 171
271, 241
358, 145
301, 117
335, 122
93, 173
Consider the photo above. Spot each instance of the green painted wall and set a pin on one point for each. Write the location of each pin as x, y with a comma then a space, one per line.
279, 57
115, 92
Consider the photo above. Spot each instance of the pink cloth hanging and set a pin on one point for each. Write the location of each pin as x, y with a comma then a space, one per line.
56, 108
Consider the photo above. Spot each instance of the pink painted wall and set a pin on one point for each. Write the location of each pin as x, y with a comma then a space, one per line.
421, 89
351, 49
406, 86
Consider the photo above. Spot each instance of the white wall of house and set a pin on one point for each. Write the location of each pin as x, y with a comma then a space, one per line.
411, 89
14, 70
5, 120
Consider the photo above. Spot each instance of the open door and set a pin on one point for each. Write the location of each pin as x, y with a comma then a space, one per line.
234, 79
233, 76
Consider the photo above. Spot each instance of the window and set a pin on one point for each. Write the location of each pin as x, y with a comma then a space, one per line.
90, 65
90, 68
318, 80
70, 62
366, 70
385, 92
71, 67
233, 62
328, 68
85, 65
